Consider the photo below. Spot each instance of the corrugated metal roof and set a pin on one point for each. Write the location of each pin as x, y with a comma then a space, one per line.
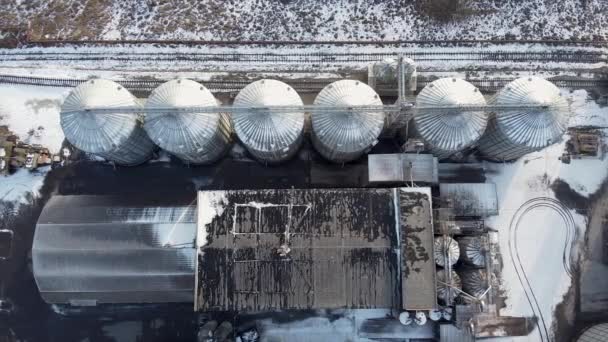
403, 167
450, 130
346, 135
269, 136
450, 333
197, 138
417, 265
470, 199
114, 136
341, 249
595, 333
95, 250
513, 133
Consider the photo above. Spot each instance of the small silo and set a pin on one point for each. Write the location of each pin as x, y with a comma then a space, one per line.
445, 249
449, 130
513, 133
474, 282
448, 290
116, 136
345, 135
472, 251
197, 138
270, 136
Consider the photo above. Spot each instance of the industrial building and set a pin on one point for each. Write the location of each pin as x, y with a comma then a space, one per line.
400, 238
95, 250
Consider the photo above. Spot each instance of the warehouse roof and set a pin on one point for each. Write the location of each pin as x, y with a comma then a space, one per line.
91, 250
298, 249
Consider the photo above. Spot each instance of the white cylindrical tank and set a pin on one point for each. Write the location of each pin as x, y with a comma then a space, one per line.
347, 134
450, 130
268, 135
514, 133
445, 249
197, 138
472, 251
117, 137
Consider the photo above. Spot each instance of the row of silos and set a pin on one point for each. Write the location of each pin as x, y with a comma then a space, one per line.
530, 114
271, 136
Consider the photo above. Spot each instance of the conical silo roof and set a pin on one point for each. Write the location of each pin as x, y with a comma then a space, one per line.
115, 136
446, 289
536, 127
474, 282
269, 136
193, 137
345, 135
448, 131
472, 251
446, 250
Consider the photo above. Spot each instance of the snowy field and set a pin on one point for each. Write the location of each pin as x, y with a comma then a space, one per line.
306, 19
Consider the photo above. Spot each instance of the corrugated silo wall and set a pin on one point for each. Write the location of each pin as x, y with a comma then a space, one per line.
215, 147
495, 145
137, 149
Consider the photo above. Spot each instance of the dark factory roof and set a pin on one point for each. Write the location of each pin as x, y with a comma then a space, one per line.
91, 250
299, 249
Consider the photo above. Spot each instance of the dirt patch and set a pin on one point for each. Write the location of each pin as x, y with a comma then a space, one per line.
570, 198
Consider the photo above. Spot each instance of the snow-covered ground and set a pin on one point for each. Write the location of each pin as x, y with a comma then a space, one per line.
165, 59
305, 19
33, 114
543, 233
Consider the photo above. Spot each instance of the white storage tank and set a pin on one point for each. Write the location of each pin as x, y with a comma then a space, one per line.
269, 136
450, 130
347, 134
116, 136
197, 138
514, 133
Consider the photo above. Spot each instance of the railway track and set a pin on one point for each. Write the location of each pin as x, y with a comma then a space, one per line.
588, 57
225, 86
567, 256
399, 42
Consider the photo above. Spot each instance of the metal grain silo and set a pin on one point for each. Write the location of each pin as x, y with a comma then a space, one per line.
472, 251
118, 136
270, 136
450, 130
594, 333
347, 134
446, 290
513, 133
198, 138
446, 251
474, 282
